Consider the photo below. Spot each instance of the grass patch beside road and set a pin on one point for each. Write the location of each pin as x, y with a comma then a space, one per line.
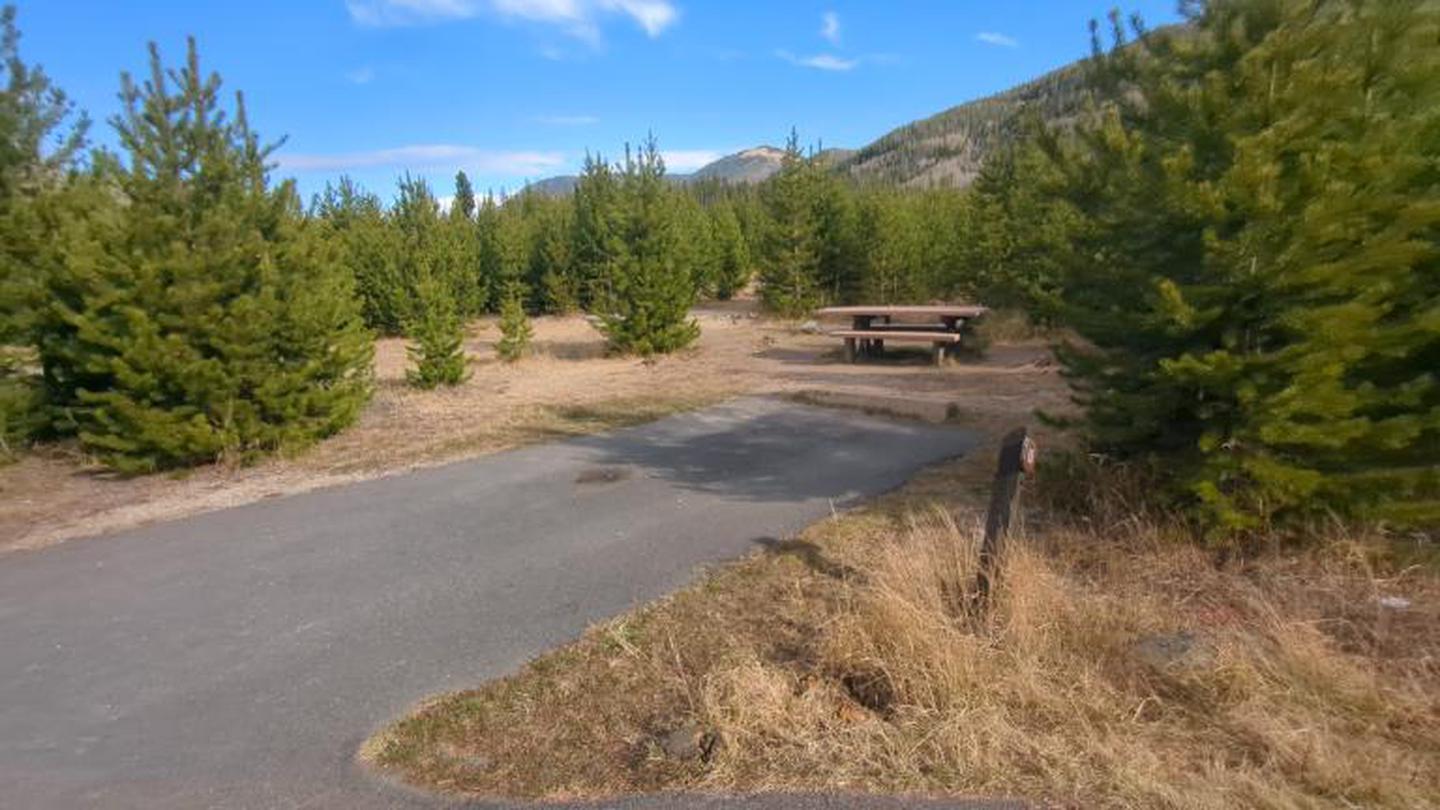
1120, 667
520, 426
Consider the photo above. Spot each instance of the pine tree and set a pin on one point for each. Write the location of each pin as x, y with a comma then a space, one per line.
202, 318
695, 243
462, 207
732, 270
790, 259
437, 337
647, 306
432, 247
488, 262
515, 329
514, 243
371, 247
552, 268
40, 137
1022, 229
890, 247
1255, 268
839, 265
598, 245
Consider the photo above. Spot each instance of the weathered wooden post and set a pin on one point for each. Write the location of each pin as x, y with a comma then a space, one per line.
1017, 459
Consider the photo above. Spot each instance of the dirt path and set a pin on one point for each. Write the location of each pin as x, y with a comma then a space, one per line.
569, 387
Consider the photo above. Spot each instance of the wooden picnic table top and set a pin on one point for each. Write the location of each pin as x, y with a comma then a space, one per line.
931, 311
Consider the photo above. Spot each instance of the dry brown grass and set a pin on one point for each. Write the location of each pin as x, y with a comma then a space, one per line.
845, 659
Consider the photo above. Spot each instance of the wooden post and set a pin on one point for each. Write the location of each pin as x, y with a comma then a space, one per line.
1017, 459
849, 349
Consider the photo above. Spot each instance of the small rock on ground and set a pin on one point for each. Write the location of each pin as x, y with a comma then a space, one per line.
1183, 650
689, 741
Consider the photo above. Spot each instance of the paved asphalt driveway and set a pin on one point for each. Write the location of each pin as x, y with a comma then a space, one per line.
238, 658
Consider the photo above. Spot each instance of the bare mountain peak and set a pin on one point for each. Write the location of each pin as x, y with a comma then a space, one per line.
761, 153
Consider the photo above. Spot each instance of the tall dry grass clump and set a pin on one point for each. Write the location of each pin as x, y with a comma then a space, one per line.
1120, 664
1123, 669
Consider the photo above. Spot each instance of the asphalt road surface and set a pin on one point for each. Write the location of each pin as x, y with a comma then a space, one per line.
238, 658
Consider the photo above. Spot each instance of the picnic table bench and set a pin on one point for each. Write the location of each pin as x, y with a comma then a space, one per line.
938, 325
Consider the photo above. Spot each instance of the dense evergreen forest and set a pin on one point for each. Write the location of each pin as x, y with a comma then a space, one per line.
1235, 220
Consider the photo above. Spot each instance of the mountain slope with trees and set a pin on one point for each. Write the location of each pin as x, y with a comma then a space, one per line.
948, 149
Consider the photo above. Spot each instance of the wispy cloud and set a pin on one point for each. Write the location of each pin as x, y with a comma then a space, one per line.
578, 18
821, 61
567, 120
363, 75
688, 160
1000, 40
830, 28
427, 156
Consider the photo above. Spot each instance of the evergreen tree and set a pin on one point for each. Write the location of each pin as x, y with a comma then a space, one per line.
40, 137
840, 260
488, 261
434, 248
370, 244
515, 329
1022, 229
732, 271
462, 207
695, 243
647, 306
437, 336
514, 243
1260, 259
598, 245
201, 318
552, 269
790, 258
891, 252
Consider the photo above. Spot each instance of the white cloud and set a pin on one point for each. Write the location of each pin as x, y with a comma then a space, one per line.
363, 75
567, 120
823, 61
688, 160
427, 156
380, 13
830, 28
652, 15
993, 38
578, 18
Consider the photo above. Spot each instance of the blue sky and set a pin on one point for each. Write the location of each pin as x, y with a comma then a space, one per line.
512, 90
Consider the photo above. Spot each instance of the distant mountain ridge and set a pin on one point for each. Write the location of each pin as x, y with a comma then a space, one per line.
946, 149
749, 166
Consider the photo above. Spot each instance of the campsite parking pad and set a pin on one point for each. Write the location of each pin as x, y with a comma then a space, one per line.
238, 658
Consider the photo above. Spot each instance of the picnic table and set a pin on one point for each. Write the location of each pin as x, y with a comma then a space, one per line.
942, 326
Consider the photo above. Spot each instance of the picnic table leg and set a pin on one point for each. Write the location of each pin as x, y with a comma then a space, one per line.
939, 354
849, 350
